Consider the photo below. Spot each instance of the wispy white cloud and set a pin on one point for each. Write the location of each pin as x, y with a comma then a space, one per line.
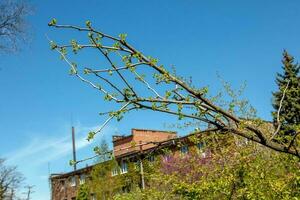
47, 148
52, 147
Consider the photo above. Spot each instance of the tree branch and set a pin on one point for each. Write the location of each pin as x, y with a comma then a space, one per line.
278, 111
196, 105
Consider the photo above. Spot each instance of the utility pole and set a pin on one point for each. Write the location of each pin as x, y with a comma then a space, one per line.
30, 191
142, 174
74, 148
141, 167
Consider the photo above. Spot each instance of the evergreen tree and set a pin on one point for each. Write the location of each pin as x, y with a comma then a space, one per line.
290, 108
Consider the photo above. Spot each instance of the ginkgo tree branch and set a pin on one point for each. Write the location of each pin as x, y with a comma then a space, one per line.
124, 73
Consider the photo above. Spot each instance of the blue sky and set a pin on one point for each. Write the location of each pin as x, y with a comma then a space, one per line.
241, 40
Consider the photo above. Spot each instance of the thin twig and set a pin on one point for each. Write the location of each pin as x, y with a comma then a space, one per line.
81, 78
113, 66
147, 84
110, 118
94, 46
118, 68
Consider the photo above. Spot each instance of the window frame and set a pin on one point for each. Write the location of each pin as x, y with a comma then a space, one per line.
93, 196
115, 171
124, 167
82, 179
151, 158
200, 147
184, 149
72, 181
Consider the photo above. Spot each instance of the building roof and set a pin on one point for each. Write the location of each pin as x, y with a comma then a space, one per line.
138, 129
72, 173
158, 145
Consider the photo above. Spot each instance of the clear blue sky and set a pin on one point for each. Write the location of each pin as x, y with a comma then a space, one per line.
241, 40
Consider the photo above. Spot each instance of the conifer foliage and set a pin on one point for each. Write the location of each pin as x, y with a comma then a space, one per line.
289, 87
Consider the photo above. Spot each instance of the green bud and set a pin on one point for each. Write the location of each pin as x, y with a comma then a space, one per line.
52, 22
91, 136
72, 162
123, 36
53, 45
88, 23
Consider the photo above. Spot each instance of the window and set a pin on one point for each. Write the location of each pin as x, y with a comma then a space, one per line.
124, 167
137, 165
93, 196
151, 158
115, 171
73, 181
184, 149
200, 147
63, 185
82, 179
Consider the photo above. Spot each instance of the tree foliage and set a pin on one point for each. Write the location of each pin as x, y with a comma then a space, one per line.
102, 183
287, 109
135, 81
237, 170
13, 24
83, 193
243, 172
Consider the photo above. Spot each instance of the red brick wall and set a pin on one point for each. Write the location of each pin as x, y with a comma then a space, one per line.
123, 146
62, 191
145, 136
131, 143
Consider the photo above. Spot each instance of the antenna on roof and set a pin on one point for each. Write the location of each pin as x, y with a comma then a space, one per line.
74, 148
49, 179
73, 144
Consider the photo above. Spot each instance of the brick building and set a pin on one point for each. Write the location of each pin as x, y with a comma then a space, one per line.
131, 148
139, 140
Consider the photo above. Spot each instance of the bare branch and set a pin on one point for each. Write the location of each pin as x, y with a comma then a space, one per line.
278, 111
10, 179
13, 25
